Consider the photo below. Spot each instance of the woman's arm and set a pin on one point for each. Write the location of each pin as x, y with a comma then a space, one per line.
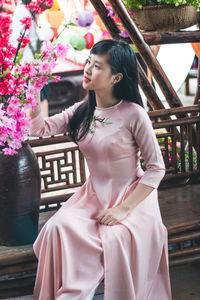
113, 215
53, 125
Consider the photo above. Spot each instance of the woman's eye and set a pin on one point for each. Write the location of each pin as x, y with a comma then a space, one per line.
87, 61
96, 66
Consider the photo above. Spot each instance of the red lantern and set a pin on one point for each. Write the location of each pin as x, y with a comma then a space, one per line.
89, 38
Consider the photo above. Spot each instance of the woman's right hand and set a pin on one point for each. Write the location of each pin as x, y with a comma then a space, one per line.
34, 113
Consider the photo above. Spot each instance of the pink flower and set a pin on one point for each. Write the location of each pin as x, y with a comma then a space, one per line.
15, 144
25, 41
49, 2
10, 124
16, 94
27, 69
47, 47
27, 22
130, 12
44, 4
44, 68
61, 50
19, 85
30, 91
31, 102
14, 101
6, 87
40, 82
52, 64
2, 112
19, 114
11, 109
24, 123
56, 79
9, 151
34, 8
10, 52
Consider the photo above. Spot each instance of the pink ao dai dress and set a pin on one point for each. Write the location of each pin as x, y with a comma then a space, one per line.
74, 250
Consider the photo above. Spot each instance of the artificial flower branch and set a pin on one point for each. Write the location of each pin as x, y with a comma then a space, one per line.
16, 95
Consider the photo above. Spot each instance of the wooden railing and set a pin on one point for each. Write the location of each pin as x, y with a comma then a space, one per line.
179, 139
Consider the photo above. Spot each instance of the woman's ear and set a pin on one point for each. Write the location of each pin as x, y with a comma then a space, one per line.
117, 77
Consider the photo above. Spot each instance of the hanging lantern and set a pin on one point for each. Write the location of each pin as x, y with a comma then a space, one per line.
55, 6
77, 42
85, 19
55, 33
45, 33
55, 18
89, 38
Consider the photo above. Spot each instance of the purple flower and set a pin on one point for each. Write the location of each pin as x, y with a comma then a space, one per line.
110, 12
124, 34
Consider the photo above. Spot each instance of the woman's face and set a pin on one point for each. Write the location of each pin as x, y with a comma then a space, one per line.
97, 74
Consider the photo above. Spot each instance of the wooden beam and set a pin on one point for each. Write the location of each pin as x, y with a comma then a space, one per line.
108, 21
157, 38
175, 111
146, 53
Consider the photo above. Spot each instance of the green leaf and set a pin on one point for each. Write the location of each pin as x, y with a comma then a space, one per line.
19, 57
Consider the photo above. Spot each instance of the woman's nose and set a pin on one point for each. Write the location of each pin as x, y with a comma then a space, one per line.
88, 69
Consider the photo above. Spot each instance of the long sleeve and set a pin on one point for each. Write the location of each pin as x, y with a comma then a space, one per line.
56, 124
146, 140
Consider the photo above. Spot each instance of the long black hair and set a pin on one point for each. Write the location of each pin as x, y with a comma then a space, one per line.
121, 59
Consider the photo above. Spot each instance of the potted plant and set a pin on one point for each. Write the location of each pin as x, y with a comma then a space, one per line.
163, 15
19, 171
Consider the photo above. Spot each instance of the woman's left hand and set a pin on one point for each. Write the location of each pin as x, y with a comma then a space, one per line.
112, 216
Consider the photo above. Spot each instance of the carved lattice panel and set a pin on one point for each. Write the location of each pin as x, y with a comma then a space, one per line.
60, 169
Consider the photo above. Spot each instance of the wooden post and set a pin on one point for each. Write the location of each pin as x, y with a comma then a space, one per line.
145, 51
157, 38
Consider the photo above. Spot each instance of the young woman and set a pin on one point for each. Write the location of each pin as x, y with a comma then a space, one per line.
111, 228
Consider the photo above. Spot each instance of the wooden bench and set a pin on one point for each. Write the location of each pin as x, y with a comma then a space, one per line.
63, 170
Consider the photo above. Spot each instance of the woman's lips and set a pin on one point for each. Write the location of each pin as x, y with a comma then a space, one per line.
86, 79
